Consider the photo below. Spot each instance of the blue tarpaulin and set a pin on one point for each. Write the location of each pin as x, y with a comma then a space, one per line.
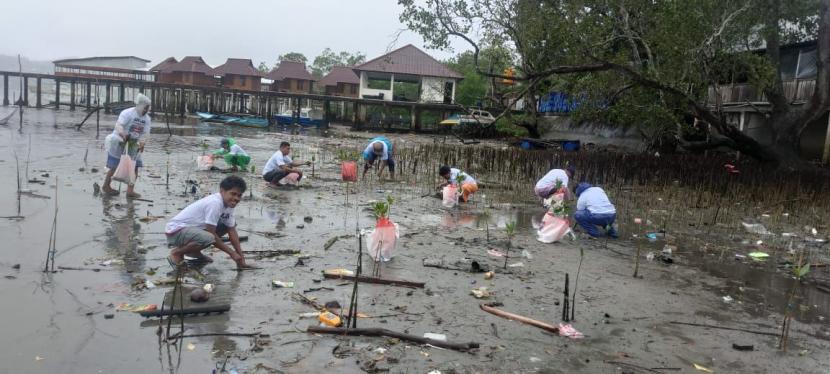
557, 102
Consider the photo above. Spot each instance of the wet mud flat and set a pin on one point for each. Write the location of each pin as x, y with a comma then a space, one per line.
60, 322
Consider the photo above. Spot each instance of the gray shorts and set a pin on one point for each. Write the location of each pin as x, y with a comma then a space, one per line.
194, 234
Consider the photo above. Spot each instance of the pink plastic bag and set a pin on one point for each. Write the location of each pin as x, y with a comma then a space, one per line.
566, 329
204, 163
291, 179
553, 229
125, 172
450, 193
382, 240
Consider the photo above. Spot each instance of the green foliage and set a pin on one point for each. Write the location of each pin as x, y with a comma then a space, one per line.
474, 89
347, 154
327, 59
292, 56
380, 209
505, 126
801, 271
263, 67
510, 229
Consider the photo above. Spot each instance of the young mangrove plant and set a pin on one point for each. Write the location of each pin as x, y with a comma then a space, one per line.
509, 230
799, 272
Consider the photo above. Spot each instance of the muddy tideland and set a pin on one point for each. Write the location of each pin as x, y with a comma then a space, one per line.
688, 312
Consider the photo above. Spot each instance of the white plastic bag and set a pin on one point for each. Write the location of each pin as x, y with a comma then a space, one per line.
553, 229
382, 240
125, 172
204, 163
450, 194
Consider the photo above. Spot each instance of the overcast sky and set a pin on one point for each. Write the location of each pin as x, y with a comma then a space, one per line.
214, 29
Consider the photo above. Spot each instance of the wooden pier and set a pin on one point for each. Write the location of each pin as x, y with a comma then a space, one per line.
177, 99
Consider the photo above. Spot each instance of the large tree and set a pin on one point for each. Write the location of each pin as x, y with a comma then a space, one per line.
646, 56
476, 89
292, 56
327, 59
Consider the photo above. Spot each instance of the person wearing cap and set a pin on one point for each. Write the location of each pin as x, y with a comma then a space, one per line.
379, 148
594, 209
468, 186
234, 155
546, 186
131, 130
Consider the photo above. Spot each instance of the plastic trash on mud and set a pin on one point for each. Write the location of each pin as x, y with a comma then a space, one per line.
756, 228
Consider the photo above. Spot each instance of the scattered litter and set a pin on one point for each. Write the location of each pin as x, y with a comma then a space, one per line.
113, 262
310, 315
480, 293
759, 242
758, 256
516, 265
109, 316
380, 350
435, 372
38, 358
668, 249
638, 220
149, 284
650, 256
208, 288
535, 359
329, 319
340, 272
527, 254
191, 347
280, 284
565, 329
488, 275
739, 256
756, 228
136, 308
440, 337
742, 347
652, 237
727, 299
495, 253
703, 368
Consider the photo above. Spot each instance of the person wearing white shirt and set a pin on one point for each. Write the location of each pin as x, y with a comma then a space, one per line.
379, 148
546, 186
233, 154
468, 186
593, 209
131, 130
204, 222
280, 165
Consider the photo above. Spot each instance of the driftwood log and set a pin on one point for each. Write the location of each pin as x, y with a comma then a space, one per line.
375, 280
522, 319
391, 334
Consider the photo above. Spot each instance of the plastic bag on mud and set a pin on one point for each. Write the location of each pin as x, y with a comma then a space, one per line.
348, 170
291, 179
125, 172
450, 194
382, 240
204, 163
553, 229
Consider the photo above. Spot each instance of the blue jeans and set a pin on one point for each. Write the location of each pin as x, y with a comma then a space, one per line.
370, 160
589, 222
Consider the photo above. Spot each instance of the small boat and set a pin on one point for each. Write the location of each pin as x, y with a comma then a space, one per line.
287, 118
236, 120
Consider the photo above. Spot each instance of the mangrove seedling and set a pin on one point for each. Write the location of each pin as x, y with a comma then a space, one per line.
204, 146
639, 247
510, 230
576, 283
799, 272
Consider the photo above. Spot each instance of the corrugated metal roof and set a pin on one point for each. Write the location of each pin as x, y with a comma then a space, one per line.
238, 66
164, 64
340, 74
77, 60
290, 69
191, 64
408, 60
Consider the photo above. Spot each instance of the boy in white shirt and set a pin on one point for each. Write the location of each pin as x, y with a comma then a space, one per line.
281, 165
204, 222
468, 185
594, 209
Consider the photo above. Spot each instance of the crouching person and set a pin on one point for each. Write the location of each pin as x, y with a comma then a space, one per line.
593, 209
204, 222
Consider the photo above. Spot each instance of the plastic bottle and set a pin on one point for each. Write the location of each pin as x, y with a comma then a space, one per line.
329, 319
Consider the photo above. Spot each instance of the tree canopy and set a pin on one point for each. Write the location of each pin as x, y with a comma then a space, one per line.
647, 63
327, 59
292, 56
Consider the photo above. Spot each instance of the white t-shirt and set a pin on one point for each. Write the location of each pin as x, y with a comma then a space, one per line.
237, 150
454, 175
549, 180
276, 161
371, 149
209, 210
596, 201
137, 127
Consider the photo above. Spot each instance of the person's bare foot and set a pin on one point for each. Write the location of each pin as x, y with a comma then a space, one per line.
133, 195
109, 191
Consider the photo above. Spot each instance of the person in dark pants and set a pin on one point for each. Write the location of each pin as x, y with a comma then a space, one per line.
379, 148
593, 209
280, 165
